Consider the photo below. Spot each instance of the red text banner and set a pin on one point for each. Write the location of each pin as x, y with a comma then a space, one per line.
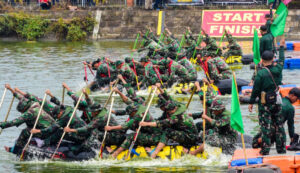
239, 23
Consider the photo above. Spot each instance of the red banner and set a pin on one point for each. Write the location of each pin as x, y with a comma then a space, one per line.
239, 23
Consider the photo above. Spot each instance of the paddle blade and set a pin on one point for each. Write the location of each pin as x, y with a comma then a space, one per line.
129, 151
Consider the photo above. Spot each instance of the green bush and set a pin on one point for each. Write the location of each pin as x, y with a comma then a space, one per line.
75, 33
34, 27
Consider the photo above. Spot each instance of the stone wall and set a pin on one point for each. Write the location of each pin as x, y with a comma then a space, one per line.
125, 23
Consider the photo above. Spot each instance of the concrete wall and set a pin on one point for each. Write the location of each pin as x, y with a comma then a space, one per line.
124, 23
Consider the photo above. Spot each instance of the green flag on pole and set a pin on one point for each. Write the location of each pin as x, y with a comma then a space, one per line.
255, 48
236, 121
277, 27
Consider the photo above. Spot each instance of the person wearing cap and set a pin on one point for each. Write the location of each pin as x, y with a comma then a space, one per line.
234, 49
192, 72
127, 73
83, 104
30, 111
174, 69
268, 18
221, 134
95, 129
211, 46
148, 136
152, 74
104, 75
176, 124
265, 88
288, 113
266, 41
62, 114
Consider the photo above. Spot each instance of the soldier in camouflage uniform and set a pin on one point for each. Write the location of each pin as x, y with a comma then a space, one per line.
148, 136
137, 68
29, 112
192, 73
220, 134
150, 45
269, 110
234, 49
152, 74
174, 68
211, 46
127, 73
216, 68
95, 129
104, 75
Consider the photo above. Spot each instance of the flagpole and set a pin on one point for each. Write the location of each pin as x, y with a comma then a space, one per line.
242, 136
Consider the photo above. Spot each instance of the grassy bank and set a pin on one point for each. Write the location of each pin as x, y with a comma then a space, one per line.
32, 27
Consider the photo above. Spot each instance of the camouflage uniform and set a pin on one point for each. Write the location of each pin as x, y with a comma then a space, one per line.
218, 69
96, 129
151, 77
179, 126
127, 73
61, 122
104, 75
211, 47
134, 98
221, 134
288, 112
29, 118
234, 48
148, 136
83, 106
270, 114
192, 73
175, 68
140, 70
150, 45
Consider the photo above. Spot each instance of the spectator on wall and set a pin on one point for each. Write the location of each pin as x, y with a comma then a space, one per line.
45, 4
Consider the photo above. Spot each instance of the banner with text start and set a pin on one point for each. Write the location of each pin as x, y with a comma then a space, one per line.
239, 23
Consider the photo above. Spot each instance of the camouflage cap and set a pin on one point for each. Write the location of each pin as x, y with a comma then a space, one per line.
170, 105
131, 108
217, 105
95, 107
119, 62
24, 105
144, 59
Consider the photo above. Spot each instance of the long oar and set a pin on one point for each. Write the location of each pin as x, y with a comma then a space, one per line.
2, 99
63, 95
11, 103
161, 36
107, 123
204, 110
138, 131
180, 45
221, 41
143, 42
136, 76
111, 93
34, 126
199, 40
191, 97
63, 135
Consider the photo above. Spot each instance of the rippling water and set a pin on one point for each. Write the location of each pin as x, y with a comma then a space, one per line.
37, 66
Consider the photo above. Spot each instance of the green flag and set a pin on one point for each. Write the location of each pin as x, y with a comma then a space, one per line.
270, 1
277, 27
255, 48
236, 121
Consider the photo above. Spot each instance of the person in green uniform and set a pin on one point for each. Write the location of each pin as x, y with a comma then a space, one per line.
30, 111
265, 87
234, 49
127, 73
266, 41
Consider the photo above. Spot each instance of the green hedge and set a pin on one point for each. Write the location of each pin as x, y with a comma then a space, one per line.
34, 27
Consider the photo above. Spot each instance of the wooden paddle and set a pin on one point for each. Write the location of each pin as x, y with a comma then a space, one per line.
134, 47
204, 110
107, 124
9, 108
36, 121
138, 131
63, 135
2, 99
191, 97
63, 95
111, 93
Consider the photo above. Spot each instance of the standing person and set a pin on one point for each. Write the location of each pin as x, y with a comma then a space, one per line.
266, 41
265, 86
